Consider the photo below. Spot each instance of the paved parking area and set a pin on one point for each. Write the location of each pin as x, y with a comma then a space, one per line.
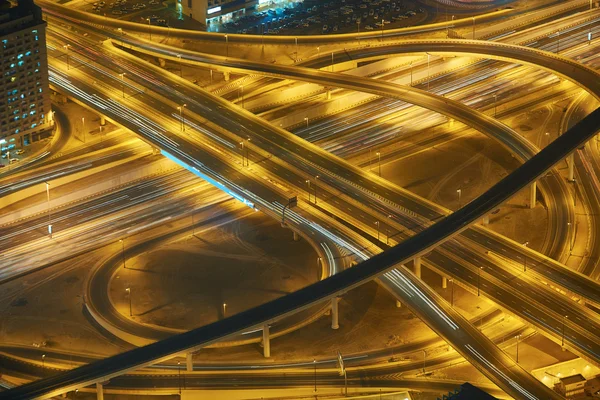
335, 16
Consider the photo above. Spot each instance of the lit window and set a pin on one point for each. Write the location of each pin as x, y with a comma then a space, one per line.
20, 56
33, 125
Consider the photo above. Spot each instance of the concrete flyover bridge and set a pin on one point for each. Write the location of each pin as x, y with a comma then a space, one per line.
579, 74
510, 377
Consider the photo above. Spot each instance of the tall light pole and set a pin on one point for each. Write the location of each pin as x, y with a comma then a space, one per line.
182, 116
296, 55
518, 337
83, 127
382, 29
43, 359
379, 162
122, 34
452, 294
318, 51
562, 344
306, 119
459, 192
128, 290
479, 281
49, 217
242, 151
180, 66
224, 310
424, 357
377, 223
149, 28
308, 189
122, 75
495, 98
316, 177
331, 61
357, 25
428, 55
226, 45
473, 27
315, 364
66, 47
525, 260
123, 251
179, 375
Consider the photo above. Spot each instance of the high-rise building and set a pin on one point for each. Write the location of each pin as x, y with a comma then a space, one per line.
219, 11
24, 94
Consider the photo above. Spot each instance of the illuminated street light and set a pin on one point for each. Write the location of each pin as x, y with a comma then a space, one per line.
128, 290
495, 98
452, 295
296, 55
179, 375
316, 177
224, 310
459, 192
473, 27
377, 223
43, 358
306, 119
49, 217
479, 281
562, 344
83, 127
525, 262
226, 45
180, 66
518, 337
123, 251
308, 189
122, 75
182, 116
149, 28
315, 364
379, 161
66, 47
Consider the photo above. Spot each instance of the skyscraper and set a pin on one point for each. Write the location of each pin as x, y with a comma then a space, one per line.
24, 93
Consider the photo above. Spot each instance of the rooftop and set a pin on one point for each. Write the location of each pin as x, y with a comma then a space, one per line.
569, 380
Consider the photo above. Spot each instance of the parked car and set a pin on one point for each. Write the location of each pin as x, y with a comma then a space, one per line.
369, 28
325, 28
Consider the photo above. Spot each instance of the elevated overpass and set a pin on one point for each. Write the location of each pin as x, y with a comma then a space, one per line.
342, 282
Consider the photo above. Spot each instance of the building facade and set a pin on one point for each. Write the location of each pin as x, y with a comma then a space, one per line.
211, 11
24, 94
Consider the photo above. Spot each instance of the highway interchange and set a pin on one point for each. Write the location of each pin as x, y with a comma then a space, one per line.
345, 193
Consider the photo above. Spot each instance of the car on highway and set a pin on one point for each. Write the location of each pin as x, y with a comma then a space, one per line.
20, 151
369, 28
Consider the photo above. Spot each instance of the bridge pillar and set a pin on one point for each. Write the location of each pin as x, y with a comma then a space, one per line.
266, 342
226, 76
335, 318
99, 392
444, 282
102, 121
296, 237
571, 162
189, 363
417, 264
398, 304
486, 219
532, 195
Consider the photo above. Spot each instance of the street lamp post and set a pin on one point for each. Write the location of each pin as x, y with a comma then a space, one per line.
296, 54
48, 200
459, 192
518, 337
452, 293
182, 116
43, 359
495, 98
66, 46
331, 61
122, 75
242, 151
358, 26
525, 259
149, 28
379, 162
224, 310
315, 364
473, 27
306, 119
308, 189
128, 290
179, 375
562, 344
316, 177
123, 251
424, 357
226, 45
83, 128
377, 223
382, 29
180, 66
479, 281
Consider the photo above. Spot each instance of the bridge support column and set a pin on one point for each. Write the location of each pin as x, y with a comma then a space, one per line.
226, 76
189, 363
571, 162
102, 121
444, 282
296, 236
486, 219
398, 304
532, 195
266, 342
99, 392
417, 264
335, 323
